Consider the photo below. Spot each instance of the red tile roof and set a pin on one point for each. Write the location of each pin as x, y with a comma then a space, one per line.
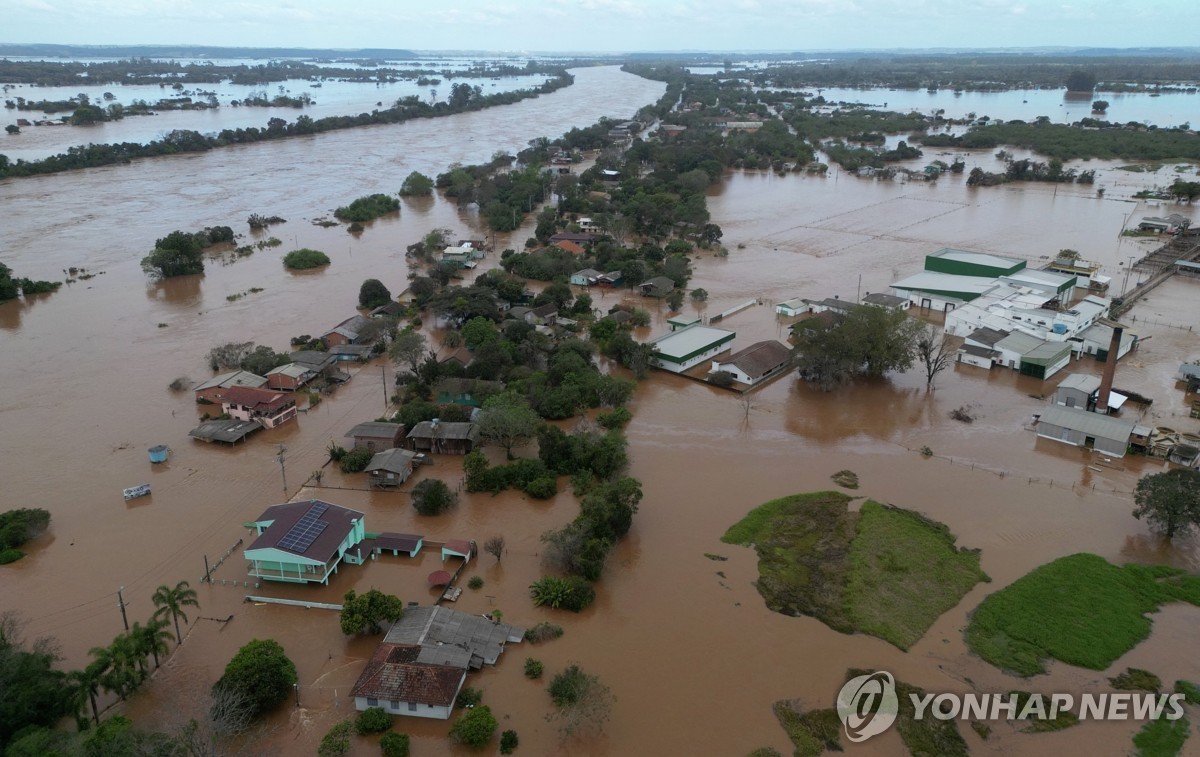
393, 674
256, 399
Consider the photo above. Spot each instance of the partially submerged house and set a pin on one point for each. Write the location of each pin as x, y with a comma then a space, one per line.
315, 360
677, 351
1172, 224
348, 331
585, 278
376, 436
445, 438
229, 431
1080, 428
290, 377
391, 467
213, 390
889, 301
610, 280
303, 542
755, 363
421, 664
347, 353
269, 408
465, 391
542, 315
791, 308
1032, 356
659, 286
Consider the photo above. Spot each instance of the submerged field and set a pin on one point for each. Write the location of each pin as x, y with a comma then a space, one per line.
882, 571
1080, 609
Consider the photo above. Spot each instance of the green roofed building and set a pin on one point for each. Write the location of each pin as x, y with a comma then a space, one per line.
967, 263
677, 351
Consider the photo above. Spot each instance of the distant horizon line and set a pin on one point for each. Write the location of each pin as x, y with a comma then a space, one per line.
1038, 49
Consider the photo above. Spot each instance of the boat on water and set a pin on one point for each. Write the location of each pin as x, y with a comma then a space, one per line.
133, 492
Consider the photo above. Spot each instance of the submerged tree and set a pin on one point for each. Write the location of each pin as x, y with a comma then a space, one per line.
934, 352
1170, 501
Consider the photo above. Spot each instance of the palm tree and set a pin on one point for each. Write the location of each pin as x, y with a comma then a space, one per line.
85, 685
172, 601
153, 637
112, 668
128, 667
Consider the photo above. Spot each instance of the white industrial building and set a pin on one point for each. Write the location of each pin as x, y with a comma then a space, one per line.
677, 351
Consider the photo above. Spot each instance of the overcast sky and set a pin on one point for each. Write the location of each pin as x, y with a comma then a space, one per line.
605, 25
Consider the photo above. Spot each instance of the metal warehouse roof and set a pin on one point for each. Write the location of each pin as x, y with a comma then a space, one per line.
976, 258
1092, 424
933, 281
689, 340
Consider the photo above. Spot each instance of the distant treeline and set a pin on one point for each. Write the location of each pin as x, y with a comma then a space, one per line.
156, 71
981, 72
465, 98
1133, 141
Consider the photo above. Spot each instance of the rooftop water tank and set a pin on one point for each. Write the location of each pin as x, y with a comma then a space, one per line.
1060, 328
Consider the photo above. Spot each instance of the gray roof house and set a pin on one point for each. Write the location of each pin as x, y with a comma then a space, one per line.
659, 286
391, 467
422, 663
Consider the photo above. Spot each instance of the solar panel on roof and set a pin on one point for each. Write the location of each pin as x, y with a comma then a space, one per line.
301, 536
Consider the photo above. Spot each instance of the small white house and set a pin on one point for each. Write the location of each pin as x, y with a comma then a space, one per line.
755, 363
792, 307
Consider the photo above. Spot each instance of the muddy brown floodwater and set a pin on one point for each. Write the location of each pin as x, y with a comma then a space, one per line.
692, 655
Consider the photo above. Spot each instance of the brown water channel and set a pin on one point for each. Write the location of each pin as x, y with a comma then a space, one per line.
694, 658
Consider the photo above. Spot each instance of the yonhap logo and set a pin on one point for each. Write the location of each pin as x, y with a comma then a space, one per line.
867, 705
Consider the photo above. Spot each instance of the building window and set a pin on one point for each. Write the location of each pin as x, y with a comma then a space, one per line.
395, 704
412, 706
372, 702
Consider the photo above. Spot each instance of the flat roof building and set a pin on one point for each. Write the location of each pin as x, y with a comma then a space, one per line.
686, 348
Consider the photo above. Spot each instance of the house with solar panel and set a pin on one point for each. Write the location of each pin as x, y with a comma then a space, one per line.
303, 542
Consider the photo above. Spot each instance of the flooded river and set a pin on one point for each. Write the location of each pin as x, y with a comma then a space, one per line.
693, 657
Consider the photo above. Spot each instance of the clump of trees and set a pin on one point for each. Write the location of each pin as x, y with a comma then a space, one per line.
475, 727
258, 221
1169, 501
373, 294
584, 702
262, 673
571, 593
18, 527
867, 341
367, 208
366, 613
257, 359
11, 288
305, 258
432, 496
416, 184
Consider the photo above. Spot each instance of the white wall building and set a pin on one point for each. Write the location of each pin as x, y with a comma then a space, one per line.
678, 351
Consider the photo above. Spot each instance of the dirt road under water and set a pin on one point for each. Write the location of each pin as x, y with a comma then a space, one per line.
694, 658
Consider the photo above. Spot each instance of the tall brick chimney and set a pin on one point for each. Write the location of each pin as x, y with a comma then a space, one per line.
1110, 370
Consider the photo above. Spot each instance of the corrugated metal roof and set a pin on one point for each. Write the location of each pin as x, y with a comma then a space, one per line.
1019, 343
1092, 424
1081, 381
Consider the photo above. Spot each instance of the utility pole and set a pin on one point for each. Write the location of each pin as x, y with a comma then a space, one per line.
121, 604
383, 378
1128, 270
282, 469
